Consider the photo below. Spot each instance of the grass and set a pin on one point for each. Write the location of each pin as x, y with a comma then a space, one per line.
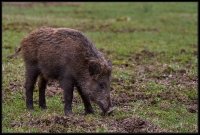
153, 48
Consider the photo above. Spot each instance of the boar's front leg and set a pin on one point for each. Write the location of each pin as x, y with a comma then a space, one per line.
67, 85
31, 77
42, 86
86, 100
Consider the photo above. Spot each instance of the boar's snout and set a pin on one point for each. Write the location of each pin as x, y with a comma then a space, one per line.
105, 105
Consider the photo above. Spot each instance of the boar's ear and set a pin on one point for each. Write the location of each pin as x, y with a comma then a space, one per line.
94, 67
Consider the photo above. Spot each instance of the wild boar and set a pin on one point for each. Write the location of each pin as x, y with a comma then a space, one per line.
68, 56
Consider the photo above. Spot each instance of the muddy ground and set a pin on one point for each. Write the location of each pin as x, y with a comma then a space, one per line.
60, 124
153, 90
132, 91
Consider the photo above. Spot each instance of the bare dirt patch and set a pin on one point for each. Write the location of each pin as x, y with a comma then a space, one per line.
15, 86
122, 99
192, 108
53, 88
125, 98
60, 124
143, 54
139, 125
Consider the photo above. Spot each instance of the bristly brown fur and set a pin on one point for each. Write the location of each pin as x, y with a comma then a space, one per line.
46, 42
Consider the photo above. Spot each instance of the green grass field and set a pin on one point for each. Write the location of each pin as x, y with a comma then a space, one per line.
153, 48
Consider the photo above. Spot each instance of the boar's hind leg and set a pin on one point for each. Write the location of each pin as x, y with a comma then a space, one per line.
68, 87
42, 86
86, 101
31, 77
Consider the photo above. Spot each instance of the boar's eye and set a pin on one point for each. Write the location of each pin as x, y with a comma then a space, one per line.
102, 85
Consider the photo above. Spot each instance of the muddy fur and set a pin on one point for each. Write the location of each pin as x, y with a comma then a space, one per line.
71, 58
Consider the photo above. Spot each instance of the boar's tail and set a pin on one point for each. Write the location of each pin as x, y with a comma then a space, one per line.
15, 54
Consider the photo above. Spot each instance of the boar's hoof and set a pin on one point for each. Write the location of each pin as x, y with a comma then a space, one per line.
89, 112
43, 107
30, 108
